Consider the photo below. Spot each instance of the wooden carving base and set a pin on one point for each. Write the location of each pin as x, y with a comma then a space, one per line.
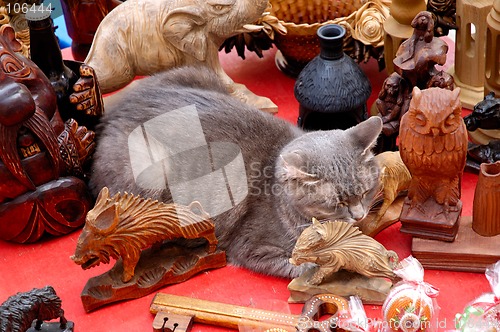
52, 327
469, 252
430, 224
167, 265
343, 283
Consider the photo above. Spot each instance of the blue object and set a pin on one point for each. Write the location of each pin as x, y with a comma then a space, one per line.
62, 32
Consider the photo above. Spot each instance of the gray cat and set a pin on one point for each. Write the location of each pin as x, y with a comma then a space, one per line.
275, 177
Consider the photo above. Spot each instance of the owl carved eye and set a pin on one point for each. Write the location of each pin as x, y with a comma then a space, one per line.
420, 119
450, 120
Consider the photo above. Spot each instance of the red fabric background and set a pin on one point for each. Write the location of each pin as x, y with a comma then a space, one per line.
47, 262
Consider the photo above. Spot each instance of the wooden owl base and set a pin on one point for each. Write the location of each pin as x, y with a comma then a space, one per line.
343, 283
52, 327
167, 265
432, 224
469, 252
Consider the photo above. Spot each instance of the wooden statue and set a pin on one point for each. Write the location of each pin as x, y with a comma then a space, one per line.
433, 145
394, 183
30, 309
392, 103
470, 46
398, 27
123, 225
394, 177
416, 57
40, 155
476, 245
492, 70
178, 33
335, 246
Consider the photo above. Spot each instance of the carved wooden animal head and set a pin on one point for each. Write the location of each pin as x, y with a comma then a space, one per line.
434, 111
127, 224
191, 25
27, 104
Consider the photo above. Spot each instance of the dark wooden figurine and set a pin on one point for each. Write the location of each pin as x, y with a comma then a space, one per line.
40, 155
433, 145
392, 103
445, 16
486, 115
30, 309
416, 57
122, 226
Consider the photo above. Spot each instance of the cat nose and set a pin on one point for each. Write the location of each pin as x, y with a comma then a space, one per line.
357, 212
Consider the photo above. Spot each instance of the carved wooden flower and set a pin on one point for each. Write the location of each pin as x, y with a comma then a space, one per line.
369, 23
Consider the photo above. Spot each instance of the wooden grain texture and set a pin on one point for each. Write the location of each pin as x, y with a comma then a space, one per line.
469, 252
492, 69
470, 46
233, 316
168, 265
486, 209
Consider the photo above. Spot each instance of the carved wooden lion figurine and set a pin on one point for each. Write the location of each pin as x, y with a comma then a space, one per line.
123, 225
340, 245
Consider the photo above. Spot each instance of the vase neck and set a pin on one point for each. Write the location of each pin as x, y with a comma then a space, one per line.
331, 37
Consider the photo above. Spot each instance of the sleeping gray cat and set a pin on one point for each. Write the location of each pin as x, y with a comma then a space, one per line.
287, 176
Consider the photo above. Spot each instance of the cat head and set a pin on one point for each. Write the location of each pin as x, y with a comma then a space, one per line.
331, 174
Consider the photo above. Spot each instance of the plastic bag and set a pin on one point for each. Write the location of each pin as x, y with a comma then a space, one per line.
483, 314
411, 304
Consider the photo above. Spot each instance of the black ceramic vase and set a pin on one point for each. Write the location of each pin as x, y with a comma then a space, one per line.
332, 90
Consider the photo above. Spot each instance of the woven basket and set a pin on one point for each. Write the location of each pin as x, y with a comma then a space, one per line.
302, 18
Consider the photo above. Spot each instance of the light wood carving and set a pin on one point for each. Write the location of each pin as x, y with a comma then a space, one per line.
340, 245
142, 37
470, 46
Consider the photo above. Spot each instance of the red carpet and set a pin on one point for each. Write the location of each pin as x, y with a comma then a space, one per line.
47, 263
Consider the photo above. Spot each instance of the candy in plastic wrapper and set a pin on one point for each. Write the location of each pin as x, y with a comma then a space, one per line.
483, 314
411, 305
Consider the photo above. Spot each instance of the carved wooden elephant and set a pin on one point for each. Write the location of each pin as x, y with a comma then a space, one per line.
142, 37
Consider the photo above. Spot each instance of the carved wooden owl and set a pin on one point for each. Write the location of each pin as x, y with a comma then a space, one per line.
433, 145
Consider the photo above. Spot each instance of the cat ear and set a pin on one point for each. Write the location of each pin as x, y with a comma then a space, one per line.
294, 165
319, 227
365, 134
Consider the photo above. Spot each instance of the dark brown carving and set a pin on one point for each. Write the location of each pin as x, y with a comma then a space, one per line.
22, 310
417, 56
392, 103
82, 19
444, 13
123, 225
39, 153
433, 145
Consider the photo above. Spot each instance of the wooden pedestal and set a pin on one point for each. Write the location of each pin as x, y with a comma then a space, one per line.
343, 283
434, 226
52, 327
156, 268
469, 252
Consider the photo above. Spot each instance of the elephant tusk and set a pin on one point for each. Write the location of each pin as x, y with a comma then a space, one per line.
250, 28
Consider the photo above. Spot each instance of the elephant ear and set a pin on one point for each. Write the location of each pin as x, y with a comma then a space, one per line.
186, 28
